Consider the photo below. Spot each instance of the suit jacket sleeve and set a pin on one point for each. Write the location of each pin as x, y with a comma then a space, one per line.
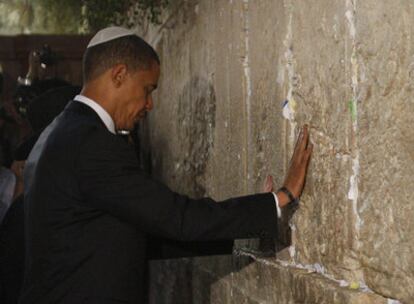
111, 180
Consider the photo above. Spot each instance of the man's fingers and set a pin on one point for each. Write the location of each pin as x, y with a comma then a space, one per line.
309, 151
297, 144
305, 138
268, 186
301, 143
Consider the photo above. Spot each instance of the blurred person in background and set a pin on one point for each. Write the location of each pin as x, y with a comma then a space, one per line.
35, 83
7, 185
40, 112
7, 178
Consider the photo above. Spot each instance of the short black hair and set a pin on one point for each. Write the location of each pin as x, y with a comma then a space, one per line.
130, 50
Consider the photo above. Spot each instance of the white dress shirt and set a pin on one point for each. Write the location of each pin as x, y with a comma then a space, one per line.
103, 115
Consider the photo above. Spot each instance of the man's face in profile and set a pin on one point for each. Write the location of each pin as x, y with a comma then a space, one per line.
136, 96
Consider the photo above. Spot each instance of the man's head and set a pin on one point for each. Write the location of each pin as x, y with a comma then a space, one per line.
120, 72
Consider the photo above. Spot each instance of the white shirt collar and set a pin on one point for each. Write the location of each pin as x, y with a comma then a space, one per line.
103, 115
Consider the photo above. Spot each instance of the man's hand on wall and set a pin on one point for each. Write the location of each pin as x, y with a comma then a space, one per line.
268, 185
295, 178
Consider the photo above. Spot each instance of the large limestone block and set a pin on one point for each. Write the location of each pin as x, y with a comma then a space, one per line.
325, 224
270, 282
182, 124
265, 72
227, 171
198, 118
384, 33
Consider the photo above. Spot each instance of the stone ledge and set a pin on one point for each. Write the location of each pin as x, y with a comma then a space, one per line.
267, 281
239, 279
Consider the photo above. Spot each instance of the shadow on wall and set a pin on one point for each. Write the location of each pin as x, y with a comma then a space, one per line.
194, 280
191, 280
196, 114
194, 139
193, 136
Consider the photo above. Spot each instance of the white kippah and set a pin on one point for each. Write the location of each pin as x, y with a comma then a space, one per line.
108, 34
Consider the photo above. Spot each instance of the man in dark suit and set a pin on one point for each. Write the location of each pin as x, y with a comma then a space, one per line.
89, 207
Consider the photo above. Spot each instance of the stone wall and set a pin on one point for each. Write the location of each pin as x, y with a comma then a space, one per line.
238, 79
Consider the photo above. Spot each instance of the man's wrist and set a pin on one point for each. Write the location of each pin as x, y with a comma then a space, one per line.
282, 198
277, 204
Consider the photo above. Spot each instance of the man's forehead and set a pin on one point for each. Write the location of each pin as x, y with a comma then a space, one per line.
149, 76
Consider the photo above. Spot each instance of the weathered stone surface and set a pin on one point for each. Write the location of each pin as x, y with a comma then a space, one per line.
325, 230
247, 281
176, 162
386, 145
217, 129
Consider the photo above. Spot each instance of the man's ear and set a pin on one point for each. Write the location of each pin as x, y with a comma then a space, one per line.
118, 74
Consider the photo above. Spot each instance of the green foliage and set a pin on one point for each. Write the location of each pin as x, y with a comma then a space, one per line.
101, 13
64, 16
151, 8
96, 14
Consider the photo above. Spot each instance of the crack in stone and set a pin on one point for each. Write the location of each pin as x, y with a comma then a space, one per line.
313, 268
248, 84
354, 178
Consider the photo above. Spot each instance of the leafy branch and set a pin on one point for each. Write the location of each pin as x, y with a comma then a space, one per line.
96, 14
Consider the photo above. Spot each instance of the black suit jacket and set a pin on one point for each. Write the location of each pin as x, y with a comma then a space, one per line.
12, 253
88, 209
